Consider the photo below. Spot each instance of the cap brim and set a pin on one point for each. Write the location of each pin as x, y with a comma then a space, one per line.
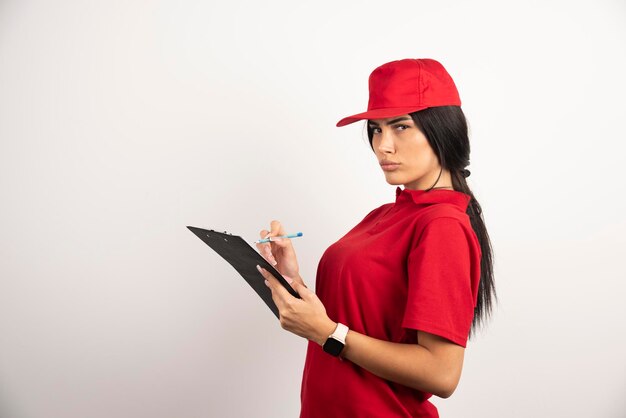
379, 114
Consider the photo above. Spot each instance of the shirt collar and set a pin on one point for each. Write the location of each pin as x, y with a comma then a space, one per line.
422, 197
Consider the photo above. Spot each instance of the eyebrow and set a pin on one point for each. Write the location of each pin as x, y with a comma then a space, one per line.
391, 122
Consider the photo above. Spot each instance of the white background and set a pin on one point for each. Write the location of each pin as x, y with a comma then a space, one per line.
122, 122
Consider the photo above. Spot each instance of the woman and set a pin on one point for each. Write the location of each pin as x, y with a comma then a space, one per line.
398, 295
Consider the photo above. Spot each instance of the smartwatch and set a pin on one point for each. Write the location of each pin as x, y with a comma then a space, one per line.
337, 340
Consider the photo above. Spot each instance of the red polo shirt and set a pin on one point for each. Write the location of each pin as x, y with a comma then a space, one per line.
409, 265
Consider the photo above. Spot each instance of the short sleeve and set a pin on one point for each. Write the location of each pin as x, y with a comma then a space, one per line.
440, 299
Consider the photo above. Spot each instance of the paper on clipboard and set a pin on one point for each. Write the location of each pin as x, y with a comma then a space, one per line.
239, 254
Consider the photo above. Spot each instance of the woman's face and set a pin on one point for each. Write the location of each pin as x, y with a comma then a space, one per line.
405, 155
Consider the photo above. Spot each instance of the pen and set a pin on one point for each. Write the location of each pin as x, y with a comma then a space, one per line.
298, 234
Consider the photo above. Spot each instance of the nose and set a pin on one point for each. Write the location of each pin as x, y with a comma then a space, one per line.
386, 145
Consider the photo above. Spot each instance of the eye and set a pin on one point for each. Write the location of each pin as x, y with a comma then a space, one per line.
375, 129
402, 127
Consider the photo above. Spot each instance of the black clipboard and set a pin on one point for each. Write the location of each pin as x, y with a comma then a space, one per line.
244, 259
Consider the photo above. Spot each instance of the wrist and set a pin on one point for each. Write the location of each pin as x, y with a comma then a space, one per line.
336, 342
326, 330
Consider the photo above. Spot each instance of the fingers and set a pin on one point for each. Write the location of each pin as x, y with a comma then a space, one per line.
279, 294
265, 249
301, 289
289, 280
272, 283
276, 228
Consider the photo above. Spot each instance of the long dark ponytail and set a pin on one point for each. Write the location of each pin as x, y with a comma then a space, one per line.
445, 128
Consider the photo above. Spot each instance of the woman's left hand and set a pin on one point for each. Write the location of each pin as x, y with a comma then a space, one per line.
305, 317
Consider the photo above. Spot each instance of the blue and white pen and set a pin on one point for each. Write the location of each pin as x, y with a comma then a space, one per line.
261, 241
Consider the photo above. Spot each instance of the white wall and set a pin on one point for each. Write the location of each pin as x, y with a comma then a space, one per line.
122, 122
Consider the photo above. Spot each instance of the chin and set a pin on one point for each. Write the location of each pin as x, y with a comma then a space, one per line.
395, 180
394, 183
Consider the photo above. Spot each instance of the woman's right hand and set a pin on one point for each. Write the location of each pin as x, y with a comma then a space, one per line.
280, 252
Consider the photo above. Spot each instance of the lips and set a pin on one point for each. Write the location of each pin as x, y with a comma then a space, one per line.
388, 163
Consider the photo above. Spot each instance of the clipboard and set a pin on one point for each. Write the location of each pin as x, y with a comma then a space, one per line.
244, 259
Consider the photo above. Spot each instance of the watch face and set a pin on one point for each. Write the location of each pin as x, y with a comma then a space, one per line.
333, 346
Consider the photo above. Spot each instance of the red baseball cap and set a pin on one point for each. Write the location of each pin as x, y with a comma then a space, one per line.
405, 86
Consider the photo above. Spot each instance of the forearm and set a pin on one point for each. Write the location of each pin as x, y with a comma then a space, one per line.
411, 365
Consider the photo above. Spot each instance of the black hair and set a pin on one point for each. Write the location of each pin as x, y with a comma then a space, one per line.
445, 128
